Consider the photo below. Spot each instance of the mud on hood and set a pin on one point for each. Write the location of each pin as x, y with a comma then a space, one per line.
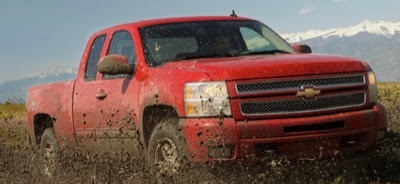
270, 66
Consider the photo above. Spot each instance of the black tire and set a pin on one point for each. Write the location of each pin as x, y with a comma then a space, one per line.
49, 153
167, 142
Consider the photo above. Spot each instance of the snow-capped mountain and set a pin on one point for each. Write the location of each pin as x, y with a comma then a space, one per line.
15, 91
383, 28
376, 42
55, 72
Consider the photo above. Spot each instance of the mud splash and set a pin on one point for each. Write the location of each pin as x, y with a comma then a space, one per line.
19, 164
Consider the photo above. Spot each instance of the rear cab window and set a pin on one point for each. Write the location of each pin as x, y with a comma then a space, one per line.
94, 57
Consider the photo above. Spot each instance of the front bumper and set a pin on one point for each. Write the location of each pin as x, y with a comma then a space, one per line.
214, 139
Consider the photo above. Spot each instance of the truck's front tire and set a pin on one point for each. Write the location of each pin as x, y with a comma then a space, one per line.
49, 152
166, 152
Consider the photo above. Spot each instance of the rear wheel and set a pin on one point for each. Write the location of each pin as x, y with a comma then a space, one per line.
49, 152
166, 151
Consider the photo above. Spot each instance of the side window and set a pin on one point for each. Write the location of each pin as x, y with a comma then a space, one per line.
94, 56
254, 41
122, 44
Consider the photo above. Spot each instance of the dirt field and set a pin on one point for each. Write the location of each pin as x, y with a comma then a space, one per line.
18, 164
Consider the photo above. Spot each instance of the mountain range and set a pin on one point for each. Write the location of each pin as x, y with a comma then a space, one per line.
15, 91
376, 42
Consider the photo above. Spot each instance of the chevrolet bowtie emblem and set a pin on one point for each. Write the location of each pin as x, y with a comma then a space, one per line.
308, 93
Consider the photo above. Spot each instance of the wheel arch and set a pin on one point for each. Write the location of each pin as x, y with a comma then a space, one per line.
41, 122
155, 114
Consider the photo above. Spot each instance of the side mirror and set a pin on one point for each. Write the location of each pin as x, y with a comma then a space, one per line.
114, 65
304, 49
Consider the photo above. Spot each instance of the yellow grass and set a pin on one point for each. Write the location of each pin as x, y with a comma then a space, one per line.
12, 132
9, 111
389, 96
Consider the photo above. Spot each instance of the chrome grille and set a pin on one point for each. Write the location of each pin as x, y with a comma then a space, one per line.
286, 85
299, 105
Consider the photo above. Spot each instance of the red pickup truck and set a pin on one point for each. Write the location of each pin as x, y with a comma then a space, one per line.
221, 88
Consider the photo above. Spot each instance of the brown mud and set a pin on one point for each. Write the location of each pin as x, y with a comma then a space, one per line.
19, 164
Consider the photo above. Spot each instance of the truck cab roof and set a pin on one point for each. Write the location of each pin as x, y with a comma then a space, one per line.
151, 22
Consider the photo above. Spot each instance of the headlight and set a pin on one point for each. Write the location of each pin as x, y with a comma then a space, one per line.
206, 99
372, 86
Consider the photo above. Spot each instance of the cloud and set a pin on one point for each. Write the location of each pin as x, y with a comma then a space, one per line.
305, 11
338, 1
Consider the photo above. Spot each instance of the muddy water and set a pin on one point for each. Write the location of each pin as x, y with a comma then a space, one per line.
19, 164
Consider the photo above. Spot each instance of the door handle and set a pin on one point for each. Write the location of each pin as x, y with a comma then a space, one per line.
100, 94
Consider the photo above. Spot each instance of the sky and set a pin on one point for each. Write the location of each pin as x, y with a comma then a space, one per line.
37, 36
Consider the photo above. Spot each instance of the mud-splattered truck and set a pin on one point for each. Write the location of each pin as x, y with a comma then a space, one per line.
199, 89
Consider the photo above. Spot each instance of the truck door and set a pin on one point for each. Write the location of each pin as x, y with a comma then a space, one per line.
117, 123
87, 93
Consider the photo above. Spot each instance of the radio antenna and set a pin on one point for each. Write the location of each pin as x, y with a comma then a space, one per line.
233, 14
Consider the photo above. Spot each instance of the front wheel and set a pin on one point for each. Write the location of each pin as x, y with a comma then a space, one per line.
166, 152
49, 152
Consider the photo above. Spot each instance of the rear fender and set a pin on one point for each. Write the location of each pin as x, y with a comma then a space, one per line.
54, 100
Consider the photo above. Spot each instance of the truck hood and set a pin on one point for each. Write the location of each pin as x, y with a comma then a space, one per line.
270, 66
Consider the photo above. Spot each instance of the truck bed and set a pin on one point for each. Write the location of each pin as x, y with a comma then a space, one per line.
53, 99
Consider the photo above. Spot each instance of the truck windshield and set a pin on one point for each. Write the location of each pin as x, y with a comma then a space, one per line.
208, 39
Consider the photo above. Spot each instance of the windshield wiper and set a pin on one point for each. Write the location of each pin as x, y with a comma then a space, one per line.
245, 53
275, 51
204, 56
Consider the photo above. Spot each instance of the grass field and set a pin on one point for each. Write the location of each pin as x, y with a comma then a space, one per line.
12, 125
389, 95
389, 91
9, 111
